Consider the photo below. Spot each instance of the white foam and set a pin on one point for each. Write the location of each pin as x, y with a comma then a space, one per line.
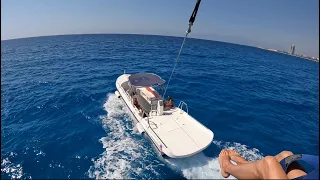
122, 158
197, 167
203, 167
14, 171
56, 165
40, 153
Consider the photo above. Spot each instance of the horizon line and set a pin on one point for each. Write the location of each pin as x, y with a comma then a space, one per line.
258, 47
126, 34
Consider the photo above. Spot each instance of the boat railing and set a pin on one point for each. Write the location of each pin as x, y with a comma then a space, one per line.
181, 105
152, 110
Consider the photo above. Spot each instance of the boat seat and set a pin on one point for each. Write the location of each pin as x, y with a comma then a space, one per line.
125, 86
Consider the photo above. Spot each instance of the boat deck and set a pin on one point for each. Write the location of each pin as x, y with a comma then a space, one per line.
180, 133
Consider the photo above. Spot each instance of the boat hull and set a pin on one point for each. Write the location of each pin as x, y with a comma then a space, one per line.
173, 134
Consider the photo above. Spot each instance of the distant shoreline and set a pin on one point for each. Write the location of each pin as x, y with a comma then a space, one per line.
295, 55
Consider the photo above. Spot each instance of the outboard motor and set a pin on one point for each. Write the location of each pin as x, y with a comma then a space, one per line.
160, 108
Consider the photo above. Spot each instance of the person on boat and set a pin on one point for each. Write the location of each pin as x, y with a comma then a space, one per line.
170, 103
135, 102
282, 166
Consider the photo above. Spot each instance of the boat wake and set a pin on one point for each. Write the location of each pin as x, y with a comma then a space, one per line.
203, 167
126, 154
197, 167
129, 155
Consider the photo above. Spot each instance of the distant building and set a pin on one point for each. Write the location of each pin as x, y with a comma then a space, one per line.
293, 47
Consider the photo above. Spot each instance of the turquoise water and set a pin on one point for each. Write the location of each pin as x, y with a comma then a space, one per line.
60, 117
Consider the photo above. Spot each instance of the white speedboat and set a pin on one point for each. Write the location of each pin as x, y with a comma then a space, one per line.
173, 131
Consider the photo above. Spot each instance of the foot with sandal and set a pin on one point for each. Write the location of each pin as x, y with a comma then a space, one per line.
282, 166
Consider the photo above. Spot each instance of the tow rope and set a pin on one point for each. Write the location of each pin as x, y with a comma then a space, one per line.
191, 21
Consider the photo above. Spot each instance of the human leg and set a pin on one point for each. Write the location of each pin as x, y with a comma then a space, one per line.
294, 170
266, 168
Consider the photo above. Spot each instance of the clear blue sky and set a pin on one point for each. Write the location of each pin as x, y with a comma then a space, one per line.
266, 23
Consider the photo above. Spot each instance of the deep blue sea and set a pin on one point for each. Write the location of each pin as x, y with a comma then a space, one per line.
61, 119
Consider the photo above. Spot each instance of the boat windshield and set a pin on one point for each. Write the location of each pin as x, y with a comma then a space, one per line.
159, 89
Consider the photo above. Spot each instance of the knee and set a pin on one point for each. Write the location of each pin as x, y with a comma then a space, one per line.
285, 154
269, 161
268, 165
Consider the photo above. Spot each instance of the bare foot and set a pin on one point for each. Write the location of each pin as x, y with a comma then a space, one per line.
224, 159
234, 156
